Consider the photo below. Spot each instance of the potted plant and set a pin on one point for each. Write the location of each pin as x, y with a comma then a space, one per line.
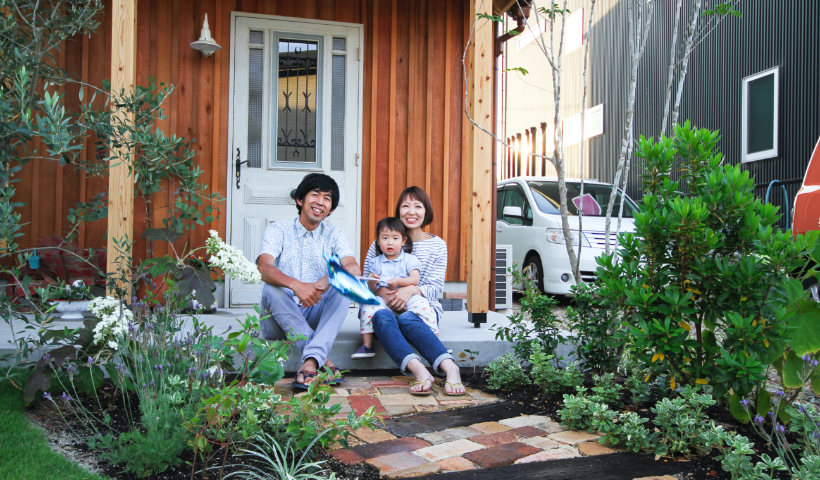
70, 300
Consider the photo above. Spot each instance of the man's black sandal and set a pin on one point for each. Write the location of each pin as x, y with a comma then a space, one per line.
305, 375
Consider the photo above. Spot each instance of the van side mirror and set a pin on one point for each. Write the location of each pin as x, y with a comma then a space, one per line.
514, 212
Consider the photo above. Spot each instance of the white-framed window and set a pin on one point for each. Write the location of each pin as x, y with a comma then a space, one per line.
574, 31
593, 125
760, 122
531, 33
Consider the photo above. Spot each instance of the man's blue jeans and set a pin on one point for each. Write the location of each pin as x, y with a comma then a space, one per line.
397, 334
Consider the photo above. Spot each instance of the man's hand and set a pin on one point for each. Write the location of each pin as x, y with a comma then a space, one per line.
308, 293
349, 264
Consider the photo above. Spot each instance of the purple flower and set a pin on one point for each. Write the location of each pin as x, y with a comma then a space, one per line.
745, 404
779, 393
66, 397
47, 396
779, 428
90, 361
758, 419
151, 383
47, 357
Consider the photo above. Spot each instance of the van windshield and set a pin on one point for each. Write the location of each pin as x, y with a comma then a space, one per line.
594, 203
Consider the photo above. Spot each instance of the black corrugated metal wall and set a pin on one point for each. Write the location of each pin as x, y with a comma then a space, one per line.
770, 33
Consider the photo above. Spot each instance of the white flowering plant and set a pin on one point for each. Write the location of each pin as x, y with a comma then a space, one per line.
114, 318
231, 260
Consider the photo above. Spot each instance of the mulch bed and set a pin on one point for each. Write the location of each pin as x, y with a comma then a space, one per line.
524, 400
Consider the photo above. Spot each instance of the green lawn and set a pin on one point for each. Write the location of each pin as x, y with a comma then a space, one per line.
24, 451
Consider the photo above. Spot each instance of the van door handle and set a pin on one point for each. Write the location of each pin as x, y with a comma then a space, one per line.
498, 229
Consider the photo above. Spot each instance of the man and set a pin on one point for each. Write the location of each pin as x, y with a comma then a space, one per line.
297, 295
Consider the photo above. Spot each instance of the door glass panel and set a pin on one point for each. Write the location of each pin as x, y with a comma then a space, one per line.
499, 204
514, 197
297, 101
761, 114
255, 70
337, 112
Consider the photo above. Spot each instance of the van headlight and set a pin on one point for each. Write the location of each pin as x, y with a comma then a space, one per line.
556, 235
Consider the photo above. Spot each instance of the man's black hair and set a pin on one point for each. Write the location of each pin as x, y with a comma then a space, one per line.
316, 181
395, 225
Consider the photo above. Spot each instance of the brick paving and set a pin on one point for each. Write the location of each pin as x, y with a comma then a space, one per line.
522, 439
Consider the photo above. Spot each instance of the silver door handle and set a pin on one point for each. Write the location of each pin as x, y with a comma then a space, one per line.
498, 229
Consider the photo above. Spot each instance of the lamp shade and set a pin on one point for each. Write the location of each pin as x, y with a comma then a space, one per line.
206, 44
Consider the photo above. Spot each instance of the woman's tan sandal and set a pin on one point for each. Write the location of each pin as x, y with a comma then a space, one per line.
422, 393
453, 387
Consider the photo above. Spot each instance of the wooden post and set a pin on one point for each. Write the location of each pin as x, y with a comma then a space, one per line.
480, 187
123, 78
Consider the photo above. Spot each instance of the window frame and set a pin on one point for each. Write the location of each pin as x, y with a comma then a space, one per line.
773, 152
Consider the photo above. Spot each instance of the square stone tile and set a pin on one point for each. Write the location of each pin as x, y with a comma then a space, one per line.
573, 437
478, 394
351, 383
395, 462
407, 399
547, 455
427, 408
341, 392
402, 378
528, 432
421, 470
347, 456
541, 442
448, 435
456, 464
360, 404
394, 390
501, 454
373, 436
446, 450
494, 439
526, 421
590, 449
345, 409
389, 383
490, 427
396, 410
338, 399
380, 449
444, 401
364, 391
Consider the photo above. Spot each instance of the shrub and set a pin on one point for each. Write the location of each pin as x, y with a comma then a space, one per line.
536, 322
703, 281
595, 323
505, 373
548, 377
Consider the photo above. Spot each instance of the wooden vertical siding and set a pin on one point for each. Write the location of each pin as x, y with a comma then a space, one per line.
413, 125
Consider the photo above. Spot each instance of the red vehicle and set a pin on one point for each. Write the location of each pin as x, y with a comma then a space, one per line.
807, 208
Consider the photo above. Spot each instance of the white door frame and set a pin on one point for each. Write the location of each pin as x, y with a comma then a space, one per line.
231, 179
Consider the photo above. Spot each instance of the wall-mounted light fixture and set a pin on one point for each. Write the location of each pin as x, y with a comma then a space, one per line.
206, 44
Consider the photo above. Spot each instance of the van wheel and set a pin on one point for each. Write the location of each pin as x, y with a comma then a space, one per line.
811, 285
534, 271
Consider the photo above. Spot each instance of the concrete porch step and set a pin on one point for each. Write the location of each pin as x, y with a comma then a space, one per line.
455, 333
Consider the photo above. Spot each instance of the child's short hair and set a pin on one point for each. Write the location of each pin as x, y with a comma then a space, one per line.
394, 224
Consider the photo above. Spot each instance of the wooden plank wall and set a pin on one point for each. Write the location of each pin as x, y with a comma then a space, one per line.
414, 131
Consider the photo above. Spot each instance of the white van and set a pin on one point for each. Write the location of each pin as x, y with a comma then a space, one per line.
529, 219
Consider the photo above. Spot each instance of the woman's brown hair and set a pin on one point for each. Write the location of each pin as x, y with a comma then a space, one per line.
417, 193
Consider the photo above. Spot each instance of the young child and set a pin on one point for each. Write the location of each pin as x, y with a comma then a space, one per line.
394, 267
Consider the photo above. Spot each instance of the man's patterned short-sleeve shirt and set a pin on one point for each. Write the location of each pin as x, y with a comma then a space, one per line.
299, 253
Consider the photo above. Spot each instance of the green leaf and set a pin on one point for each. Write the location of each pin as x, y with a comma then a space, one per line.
805, 328
268, 371
764, 402
200, 281
106, 84
740, 414
792, 368
39, 381
160, 234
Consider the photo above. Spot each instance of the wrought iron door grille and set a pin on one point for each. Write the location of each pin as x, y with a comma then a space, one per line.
298, 102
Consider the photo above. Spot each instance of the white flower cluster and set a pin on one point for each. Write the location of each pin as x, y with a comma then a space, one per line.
114, 319
231, 260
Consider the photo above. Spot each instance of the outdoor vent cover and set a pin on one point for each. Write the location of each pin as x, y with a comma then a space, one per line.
503, 281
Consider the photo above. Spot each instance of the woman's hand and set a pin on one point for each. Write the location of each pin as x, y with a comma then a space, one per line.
401, 296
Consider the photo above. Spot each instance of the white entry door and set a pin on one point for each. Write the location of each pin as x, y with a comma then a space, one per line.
296, 109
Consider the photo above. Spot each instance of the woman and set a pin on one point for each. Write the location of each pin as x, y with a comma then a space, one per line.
398, 333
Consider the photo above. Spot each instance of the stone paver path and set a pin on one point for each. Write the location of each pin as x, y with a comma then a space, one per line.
522, 439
